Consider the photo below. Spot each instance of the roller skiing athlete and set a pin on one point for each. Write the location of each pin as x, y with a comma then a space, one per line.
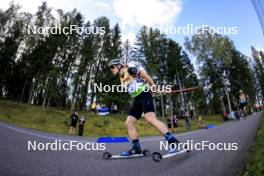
135, 80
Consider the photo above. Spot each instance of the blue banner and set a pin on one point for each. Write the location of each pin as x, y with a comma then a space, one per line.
112, 139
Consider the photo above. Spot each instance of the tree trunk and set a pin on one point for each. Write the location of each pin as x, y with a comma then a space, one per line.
22, 93
32, 88
85, 90
162, 106
171, 105
44, 100
31, 91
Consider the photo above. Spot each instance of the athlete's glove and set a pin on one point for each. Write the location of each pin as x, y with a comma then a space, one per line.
133, 71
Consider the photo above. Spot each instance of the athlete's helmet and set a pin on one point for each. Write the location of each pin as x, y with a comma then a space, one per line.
240, 91
115, 62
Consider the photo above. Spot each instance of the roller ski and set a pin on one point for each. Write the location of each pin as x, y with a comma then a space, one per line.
144, 153
157, 157
134, 152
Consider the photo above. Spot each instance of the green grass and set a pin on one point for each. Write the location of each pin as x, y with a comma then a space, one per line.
58, 121
255, 165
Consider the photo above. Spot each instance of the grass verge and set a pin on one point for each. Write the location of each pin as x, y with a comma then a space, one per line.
58, 121
255, 165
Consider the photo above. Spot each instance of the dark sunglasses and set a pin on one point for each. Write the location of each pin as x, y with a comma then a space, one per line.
112, 66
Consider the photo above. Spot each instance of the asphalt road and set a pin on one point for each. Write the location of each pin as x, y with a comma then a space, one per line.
16, 159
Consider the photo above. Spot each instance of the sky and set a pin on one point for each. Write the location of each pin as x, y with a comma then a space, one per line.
166, 14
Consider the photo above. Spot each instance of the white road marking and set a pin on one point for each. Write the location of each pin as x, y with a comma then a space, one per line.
57, 138
35, 134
